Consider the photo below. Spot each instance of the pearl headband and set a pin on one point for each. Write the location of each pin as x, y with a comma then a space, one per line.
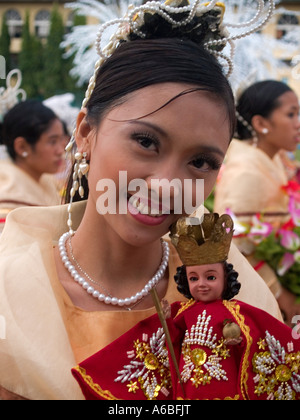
12, 95
182, 20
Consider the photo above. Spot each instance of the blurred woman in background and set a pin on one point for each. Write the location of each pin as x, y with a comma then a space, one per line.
34, 138
253, 175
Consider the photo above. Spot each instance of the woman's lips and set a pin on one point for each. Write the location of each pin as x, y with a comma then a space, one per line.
148, 215
148, 207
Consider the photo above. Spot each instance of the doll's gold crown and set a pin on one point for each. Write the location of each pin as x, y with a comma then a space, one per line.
205, 243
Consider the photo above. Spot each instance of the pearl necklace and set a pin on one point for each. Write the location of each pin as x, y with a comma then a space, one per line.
109, 300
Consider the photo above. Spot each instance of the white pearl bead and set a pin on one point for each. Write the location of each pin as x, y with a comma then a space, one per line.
114, 301
77, 277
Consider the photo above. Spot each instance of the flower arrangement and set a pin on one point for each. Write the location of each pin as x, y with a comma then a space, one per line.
278, 247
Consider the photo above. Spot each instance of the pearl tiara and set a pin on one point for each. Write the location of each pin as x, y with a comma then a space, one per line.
12, 94
202, 23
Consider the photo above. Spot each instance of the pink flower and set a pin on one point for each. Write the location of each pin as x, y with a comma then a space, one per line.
287, 261
292, 189
289, 240
240, 229
294, 209
260, 230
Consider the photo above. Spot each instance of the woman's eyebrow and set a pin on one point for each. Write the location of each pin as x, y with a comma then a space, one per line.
150, 125
211, 149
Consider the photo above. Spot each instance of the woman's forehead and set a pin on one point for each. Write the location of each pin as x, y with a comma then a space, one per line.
156, 97
175, 107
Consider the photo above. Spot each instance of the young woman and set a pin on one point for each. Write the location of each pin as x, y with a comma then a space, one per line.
254, 175
34, 139
172, 117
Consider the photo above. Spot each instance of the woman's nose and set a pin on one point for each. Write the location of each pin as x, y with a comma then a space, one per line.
166, 188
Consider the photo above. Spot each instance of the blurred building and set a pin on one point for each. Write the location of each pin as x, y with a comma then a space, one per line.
39, 12
287, 23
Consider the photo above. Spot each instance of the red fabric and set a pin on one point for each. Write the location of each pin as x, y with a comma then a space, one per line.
223, 371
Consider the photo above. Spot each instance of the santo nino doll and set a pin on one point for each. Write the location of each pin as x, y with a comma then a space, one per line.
208, 281
230, 350
224, 348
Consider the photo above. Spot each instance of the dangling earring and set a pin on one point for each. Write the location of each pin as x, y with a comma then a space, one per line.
81, 168
249, 128
255, 139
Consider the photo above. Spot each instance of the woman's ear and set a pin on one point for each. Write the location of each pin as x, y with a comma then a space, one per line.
84, 133
260, 124
22, 148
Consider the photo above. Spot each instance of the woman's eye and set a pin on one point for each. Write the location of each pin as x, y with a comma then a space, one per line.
211, 278
146, 141
52, 142
193, 278
206, 164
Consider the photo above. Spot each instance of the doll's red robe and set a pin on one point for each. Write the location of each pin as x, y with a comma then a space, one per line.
138, 366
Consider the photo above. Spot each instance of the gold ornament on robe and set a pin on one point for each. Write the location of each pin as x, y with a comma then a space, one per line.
206, 243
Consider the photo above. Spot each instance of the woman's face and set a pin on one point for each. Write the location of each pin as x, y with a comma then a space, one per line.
47, 154
284, 124
186, 139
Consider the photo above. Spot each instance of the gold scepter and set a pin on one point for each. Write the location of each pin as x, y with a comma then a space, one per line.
167, 334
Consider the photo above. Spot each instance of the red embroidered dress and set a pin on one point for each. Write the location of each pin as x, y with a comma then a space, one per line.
265, 365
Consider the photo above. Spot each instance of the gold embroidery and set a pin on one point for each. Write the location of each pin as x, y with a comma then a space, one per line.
133, 387
277, 370
185, 306
200, 368
234, 309
107, 395
235, 398
149, 369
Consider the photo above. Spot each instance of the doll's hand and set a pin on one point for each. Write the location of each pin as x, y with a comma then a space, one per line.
166, 308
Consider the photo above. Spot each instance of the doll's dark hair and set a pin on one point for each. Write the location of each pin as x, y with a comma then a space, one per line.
232, 287
142, 63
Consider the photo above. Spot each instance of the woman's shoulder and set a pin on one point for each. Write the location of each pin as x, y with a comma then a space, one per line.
36, 224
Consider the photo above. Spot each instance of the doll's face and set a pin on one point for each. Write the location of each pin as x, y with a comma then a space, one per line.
206, 282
